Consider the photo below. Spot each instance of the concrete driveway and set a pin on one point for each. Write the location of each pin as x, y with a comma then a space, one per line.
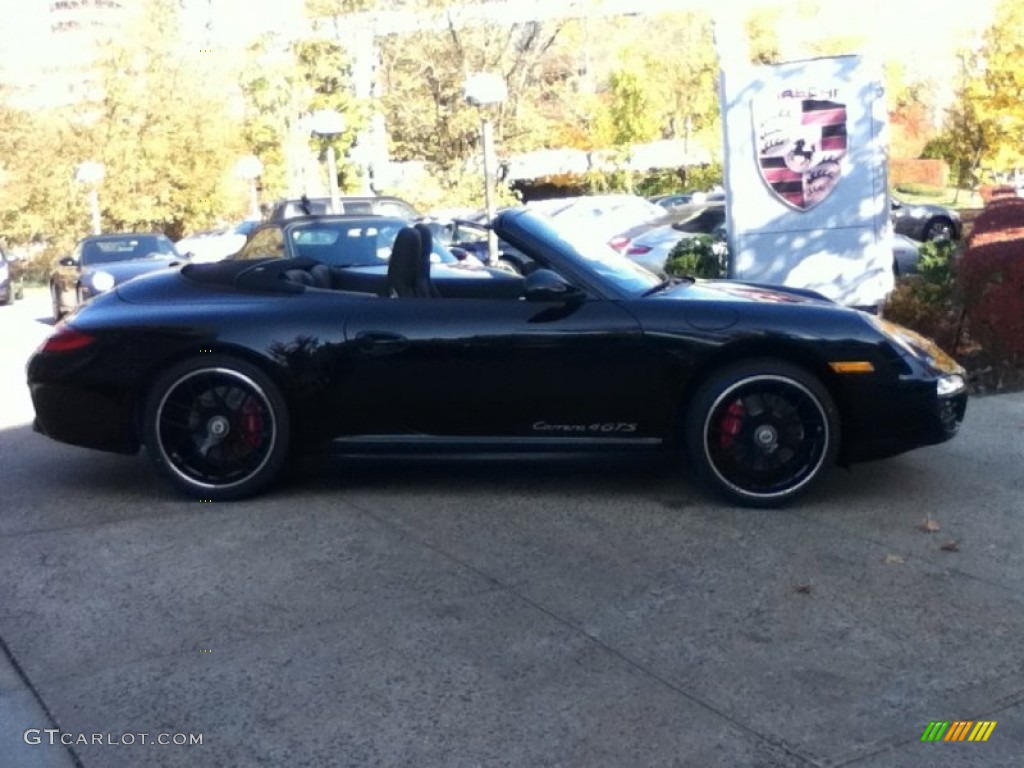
574, 612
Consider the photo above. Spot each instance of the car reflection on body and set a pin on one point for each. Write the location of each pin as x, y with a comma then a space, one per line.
327, 338
99, 262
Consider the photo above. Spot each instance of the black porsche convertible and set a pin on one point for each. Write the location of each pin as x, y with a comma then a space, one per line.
337, 331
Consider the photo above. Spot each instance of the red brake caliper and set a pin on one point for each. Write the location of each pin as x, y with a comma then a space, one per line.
252, 423
731, 423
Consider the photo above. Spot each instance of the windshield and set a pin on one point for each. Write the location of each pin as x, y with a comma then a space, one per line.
361, 243
593, 253
109, 250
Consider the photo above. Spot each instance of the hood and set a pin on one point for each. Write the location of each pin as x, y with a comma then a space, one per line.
728, 290
125, 270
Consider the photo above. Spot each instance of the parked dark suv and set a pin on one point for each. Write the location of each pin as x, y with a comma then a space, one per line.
318, 206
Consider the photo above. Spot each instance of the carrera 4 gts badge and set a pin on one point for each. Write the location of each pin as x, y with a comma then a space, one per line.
621, 427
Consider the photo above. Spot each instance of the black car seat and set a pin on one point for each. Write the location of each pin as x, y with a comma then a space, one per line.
426, 250
313, 275
321, 274
300, 276
405, 275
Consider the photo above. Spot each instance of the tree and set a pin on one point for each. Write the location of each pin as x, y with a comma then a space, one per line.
158, 120
283, 83
999, 91
37, 196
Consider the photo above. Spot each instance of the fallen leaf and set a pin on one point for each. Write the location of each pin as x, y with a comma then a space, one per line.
950, 546
803, 589
930, 525
894, 559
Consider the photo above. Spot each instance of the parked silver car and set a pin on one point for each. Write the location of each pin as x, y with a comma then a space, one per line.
925, 221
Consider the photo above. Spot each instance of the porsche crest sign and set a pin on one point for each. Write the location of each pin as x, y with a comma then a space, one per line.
801, 141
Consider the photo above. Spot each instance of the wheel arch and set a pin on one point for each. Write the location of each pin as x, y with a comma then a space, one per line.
153, 372
781, 350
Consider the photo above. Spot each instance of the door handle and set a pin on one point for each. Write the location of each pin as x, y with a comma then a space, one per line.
381, 342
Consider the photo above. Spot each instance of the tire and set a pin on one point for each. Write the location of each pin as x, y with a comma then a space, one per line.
217, 428
938, 229
761, 432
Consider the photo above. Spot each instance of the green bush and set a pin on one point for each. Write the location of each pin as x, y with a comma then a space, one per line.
937, 260
929, 301
698, 256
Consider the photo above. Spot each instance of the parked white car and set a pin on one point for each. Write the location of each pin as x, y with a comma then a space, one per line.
216, 244
649, 244
601, 216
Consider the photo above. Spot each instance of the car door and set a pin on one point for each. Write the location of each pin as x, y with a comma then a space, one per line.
497, 367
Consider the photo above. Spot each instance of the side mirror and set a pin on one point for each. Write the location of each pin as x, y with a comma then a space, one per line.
547, 285
459, 253
67, 261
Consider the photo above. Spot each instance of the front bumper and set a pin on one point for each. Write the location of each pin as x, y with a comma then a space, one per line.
912, 413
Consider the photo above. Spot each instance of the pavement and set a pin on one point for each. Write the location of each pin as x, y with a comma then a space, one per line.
509, 613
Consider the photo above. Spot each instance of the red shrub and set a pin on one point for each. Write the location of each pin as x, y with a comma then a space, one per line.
991, 282
1002, 219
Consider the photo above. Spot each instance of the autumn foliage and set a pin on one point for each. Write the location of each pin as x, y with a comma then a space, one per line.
972, 302
991, 281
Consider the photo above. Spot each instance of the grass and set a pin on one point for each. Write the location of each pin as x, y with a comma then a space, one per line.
948, 196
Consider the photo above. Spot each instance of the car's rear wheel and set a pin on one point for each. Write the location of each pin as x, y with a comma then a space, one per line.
939, 229
217, 428
761, 432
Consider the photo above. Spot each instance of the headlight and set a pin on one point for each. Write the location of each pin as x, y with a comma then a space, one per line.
914, 344
5, 271
950, 384
102, 281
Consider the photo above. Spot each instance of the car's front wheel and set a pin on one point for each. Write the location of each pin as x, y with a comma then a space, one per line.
217, 428
761, 432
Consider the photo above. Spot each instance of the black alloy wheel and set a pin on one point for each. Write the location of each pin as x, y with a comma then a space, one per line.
217, 428
762, 432
939, 229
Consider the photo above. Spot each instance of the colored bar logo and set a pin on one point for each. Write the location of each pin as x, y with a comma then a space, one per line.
958, 730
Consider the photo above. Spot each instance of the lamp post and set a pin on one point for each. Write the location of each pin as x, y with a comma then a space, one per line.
250, 168
326, 124
91, 174
481, 90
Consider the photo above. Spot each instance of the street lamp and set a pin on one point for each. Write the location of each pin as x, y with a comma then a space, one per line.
482, 89
91, 174
326, 124
250, 169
